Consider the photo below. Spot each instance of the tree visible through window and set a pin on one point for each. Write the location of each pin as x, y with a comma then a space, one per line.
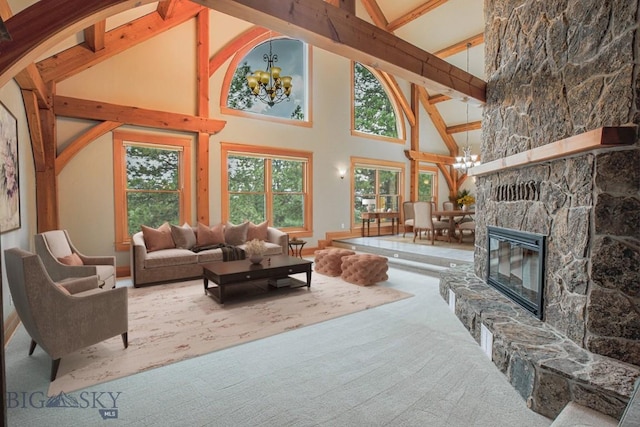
264, 185
426, 182
152, 185
373, 112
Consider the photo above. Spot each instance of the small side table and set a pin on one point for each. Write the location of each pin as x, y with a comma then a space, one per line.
295, 247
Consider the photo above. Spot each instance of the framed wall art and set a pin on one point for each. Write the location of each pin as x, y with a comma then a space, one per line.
9, 183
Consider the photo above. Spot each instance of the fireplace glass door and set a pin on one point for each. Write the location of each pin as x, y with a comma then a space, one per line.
516, 261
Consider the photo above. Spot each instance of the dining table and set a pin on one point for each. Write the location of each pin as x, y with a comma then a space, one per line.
451, 214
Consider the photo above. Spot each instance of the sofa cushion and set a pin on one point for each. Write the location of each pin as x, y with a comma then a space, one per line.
159, 238
73, 259
209, 255
258, 231
210, 236
236, 234
184, 237
169, 257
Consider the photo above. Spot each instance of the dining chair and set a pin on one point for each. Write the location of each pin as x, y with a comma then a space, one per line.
468, 226
423, 221
407, 213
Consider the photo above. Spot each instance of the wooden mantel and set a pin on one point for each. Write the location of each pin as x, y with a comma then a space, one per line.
598, 138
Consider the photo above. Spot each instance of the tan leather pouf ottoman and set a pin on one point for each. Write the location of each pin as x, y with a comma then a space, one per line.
329, 261
364, 269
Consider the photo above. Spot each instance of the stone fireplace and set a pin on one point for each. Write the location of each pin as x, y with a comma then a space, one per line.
555, 71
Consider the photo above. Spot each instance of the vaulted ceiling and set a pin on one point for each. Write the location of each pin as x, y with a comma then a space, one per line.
449, 29
437, 45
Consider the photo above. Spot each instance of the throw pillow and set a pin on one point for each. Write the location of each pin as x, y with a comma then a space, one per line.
257, 231
158, 238
73, 259
236, 234
183, 237
210, 236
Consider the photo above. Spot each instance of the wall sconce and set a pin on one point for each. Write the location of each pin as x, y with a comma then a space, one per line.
342, 173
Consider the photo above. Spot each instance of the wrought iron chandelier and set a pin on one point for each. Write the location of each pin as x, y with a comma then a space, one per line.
269, 86
467, 160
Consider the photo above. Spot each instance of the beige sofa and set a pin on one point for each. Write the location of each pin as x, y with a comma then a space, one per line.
166, 265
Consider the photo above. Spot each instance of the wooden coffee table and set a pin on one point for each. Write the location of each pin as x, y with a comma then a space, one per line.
230, 273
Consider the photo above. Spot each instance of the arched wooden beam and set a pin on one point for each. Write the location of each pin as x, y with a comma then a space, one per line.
46, 23
82, 141
234, 46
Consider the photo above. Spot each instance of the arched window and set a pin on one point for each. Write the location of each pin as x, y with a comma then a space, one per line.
292, 57
374, 113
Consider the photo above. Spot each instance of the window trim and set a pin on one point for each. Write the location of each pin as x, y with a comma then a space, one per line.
233, 65
356, 162
227, 148
120, 140
432, 170
400, 124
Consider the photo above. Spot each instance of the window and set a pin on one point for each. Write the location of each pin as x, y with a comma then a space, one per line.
263, 183
428, 184
373, 111
293, 58
152, 176
376, 186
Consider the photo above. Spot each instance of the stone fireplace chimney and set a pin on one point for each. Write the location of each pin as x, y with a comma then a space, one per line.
557, 71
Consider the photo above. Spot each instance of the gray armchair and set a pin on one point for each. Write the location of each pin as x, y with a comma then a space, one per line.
63, 317
54, 245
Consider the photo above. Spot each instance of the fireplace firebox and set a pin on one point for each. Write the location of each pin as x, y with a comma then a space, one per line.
516, 266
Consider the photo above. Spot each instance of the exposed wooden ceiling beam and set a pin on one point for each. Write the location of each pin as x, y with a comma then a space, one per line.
464, 127
428, 157
94, 35
438, 122
348, 5
434, 99
5, 10
166, 8
339, 32
399, 96
30, 79
65, 156
461, 46
374, 11
44, 24
35, 130
78, 58
414, 14
94, 110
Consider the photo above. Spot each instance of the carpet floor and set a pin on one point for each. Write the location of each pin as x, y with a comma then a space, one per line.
173, 322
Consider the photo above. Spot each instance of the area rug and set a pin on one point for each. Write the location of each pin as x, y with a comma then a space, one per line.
173, 322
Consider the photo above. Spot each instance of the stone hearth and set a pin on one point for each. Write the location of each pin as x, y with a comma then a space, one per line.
547, 368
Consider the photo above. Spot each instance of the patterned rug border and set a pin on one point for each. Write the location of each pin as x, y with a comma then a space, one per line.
174, 322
